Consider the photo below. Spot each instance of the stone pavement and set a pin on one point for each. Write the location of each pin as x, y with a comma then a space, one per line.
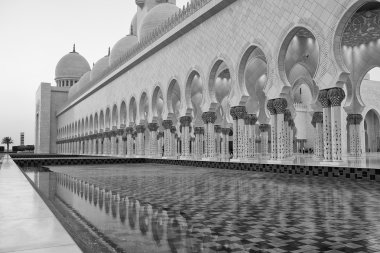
26, 223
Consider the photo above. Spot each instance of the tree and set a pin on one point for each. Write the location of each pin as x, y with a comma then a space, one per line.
7, 140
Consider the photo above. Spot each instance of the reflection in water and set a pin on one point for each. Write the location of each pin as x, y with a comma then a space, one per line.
205, 210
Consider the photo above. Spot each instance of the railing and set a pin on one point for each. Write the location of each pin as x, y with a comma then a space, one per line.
157, 33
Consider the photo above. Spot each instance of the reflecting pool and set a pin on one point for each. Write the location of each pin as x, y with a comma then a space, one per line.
160, 208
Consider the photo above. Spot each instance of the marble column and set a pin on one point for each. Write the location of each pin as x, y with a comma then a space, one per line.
129, 132
291, 137
121, 142
153, 127
326, 110
280, 105
249, 144
336, 96
287, 119
317, 122
273, 125
113, 135
167, 124
173, 142
225, 152
185, 136
160, 137
217, 141
140, 140
209, 120
354, 121
238, 114
264, 132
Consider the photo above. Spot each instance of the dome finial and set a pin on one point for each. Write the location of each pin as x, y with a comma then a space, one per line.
109, 51
74, 48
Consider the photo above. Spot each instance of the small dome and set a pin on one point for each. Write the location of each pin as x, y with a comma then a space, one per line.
121, 48
99, 67
81, 85
72, 65
155, 17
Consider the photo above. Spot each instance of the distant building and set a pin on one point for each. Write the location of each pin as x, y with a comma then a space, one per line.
22, 135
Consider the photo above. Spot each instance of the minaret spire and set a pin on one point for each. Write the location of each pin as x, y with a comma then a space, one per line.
109, 51
74, 48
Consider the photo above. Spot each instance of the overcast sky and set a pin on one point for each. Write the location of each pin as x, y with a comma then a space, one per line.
35, 34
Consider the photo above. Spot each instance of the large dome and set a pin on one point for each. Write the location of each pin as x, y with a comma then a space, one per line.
81, 85
99, 67
72, 65
156, 17
121, 48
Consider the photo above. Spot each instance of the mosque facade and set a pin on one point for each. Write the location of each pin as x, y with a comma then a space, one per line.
223, 80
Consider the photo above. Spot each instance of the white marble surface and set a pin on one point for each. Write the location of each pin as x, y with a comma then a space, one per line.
26, 223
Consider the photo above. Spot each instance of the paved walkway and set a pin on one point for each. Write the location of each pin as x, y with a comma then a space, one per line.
26, 223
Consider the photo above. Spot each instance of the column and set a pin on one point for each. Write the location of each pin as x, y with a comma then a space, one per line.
317, 122
209, 120
140, 140
250, 121
238, 113
336, 96
273, 125
185, 136
160, 138
129, 133
217, 140
287, 119
113, 135
167, 124
291, 137
354, 121
280, 105
225, 154
264, 129
326, 110
153, 127
121, 142
173, 142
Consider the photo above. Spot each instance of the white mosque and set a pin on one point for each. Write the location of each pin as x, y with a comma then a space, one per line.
222, 80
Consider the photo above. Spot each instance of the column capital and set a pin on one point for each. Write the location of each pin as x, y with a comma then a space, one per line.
167, 124
250, 119
173, 129
323, 98
317, 118
280, 105
217, 129
153, 127
129, 130
270, 107
197, 130
226, 131
336, 96
140, 129
264, 127
238, 112
185, 120
354, 119
209, 117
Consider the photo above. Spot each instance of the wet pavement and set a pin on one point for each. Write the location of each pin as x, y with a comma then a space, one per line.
26, 223
160, 208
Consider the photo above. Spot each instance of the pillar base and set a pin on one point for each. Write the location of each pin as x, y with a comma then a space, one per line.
331, 163
210, 159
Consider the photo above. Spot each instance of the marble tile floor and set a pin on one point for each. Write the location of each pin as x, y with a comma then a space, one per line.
215, 210
26, 223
